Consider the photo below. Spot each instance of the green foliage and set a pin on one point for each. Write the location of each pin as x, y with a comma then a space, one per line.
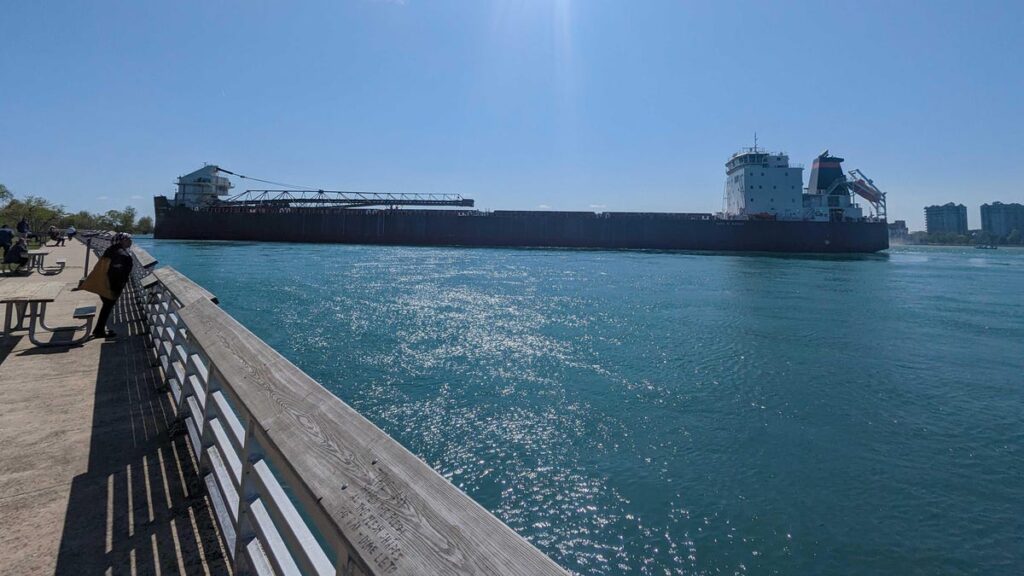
945, 239
1014, 237
144, 225
41, 214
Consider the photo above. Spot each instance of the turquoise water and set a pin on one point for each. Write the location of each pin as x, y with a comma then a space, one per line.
662, 413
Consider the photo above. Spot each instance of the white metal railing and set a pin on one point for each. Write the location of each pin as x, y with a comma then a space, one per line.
301, 483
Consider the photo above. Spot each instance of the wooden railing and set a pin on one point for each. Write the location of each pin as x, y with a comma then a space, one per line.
300, 482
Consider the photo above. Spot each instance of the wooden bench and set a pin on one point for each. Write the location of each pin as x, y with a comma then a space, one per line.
61, 264
11, 268
86, 313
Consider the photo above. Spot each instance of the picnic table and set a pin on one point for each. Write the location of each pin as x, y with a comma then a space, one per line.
37, 259
28, 300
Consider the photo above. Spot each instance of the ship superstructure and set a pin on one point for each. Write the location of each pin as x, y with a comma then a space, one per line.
762, 185
202, 188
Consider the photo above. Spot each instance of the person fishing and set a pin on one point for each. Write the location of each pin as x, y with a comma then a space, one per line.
109, 278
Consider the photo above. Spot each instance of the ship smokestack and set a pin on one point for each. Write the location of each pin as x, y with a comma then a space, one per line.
824, 173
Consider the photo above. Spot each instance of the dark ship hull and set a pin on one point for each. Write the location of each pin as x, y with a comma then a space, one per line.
610, 230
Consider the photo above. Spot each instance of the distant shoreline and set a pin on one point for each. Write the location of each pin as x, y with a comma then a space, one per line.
1000, 246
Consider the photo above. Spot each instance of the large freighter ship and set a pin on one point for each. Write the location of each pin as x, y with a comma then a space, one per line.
767, 209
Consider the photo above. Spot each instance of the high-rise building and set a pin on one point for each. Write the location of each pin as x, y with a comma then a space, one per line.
1000, 219
946, 219
898, 231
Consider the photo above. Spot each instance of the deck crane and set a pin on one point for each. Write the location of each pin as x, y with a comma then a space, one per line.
300, 196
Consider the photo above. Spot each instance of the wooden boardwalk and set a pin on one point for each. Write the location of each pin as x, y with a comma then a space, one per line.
90, 480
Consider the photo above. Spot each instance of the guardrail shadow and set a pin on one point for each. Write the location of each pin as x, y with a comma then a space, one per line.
141, 506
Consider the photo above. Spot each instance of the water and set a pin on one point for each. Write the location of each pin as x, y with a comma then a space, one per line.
660, 413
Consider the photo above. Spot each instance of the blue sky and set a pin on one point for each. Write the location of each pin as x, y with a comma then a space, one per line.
569, 104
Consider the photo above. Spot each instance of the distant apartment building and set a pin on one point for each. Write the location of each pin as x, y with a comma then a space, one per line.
1000, 219
946, 219
898, 231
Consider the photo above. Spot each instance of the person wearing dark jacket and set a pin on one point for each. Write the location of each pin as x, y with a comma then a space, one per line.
17, 254
118, 274
6, 237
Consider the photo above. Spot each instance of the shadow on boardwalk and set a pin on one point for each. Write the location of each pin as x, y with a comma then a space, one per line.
140, 508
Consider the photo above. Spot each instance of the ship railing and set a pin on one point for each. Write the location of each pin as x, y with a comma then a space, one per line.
301, 483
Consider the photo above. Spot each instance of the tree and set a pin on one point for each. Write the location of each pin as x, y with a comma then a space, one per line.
39, 212
127, 220
144, 225
120, 220
81, 219
1013, 237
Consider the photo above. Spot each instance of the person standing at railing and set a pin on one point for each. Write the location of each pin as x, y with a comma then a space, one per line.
109, 278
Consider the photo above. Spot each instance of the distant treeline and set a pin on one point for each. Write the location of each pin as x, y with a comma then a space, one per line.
975, 237
41, 214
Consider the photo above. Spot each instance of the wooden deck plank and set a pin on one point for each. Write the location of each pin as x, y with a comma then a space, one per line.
86, 450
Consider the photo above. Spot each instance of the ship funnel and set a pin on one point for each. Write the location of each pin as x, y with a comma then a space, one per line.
827, 175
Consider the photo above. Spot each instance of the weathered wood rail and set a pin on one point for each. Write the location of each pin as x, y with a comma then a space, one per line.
302, 483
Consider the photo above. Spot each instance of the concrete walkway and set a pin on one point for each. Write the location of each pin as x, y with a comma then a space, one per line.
90, 480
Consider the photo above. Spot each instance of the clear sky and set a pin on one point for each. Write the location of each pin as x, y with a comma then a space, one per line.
568, 104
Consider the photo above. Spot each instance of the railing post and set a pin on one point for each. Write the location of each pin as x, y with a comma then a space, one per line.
88, 252
247, 493
211, 385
